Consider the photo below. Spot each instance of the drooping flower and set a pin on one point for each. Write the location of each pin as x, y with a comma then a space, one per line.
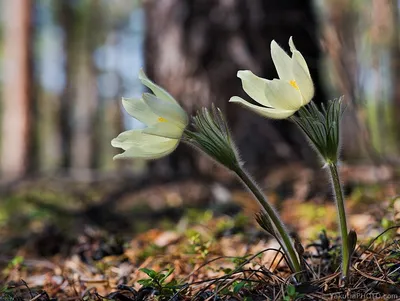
279, 98
165, 122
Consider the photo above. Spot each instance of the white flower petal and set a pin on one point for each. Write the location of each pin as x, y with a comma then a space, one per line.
150, 148
169, 112
268, 112
157, 90
138, 109
298, 56
282, 62
164, 129
283, 95
304, 82
282, 98
254, 86
127, 139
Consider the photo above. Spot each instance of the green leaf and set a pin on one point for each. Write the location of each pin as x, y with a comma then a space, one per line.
152, 274
291, 290
169, 272
173, 284
143, 282
351, 242
17, 260
238, 287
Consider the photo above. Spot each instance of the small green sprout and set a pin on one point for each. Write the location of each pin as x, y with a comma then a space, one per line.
197, 245
291, 294
157, 280
14, 263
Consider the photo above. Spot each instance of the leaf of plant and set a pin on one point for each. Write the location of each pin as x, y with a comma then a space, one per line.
238, 287
145, 282
352, 241
152, 274
169, 272
291, 290
264, 221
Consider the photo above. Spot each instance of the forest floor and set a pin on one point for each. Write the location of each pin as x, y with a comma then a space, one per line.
175, 242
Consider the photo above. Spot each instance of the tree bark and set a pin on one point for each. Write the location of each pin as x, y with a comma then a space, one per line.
79, 99
194, 50
17, 87
395, 63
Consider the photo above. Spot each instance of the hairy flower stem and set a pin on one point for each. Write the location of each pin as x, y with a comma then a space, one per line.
287, 242
337, 187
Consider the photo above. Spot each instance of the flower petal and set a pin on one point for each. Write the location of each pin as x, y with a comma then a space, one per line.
254, 86
298, 56
282, 62
157, 90
283, 95
138, 109
303, 81
127, 139
268, 112
171, 113
150, 147
164, 129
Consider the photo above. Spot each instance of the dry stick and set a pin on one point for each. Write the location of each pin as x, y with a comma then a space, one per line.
236, 270
208, 262
373, 241
273, 260
380, 269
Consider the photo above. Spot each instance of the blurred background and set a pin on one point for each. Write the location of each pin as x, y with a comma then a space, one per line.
66, 64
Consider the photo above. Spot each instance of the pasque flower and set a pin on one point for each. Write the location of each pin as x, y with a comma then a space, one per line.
321, 125
279, 98
165, 122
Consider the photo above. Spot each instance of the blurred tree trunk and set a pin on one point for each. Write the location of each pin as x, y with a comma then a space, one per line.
395, 63
67, 18
340, 44
363, 47
84, 78
78, 105
15, 127
195, 48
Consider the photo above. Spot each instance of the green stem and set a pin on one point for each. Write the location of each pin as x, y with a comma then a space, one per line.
287, 242
342, 218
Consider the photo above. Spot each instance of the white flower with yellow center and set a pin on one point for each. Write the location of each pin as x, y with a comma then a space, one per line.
279, 98
165, 122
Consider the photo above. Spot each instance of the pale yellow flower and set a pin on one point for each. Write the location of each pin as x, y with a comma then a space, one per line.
165, 122
279, 98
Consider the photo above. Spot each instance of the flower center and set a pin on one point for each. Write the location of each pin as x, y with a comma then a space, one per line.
161, 119
294, 84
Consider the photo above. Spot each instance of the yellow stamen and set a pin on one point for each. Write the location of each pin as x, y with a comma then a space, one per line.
294, 84
161, 119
